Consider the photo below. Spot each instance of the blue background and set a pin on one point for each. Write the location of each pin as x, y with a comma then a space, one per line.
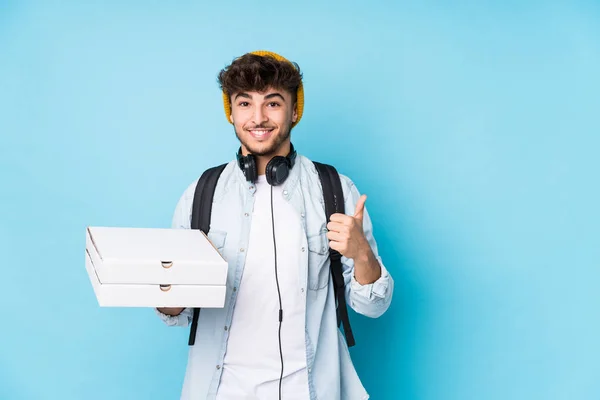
473, 129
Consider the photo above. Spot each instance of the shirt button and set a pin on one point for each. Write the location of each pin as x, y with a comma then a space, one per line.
241, 250
235, 289
302, 215
303, 249
245, 214
285, 192
302, 290
250, 187
218, 367
226, 328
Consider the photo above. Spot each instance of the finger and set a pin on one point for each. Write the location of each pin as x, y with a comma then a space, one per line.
337, 227
341, 218
337, 236
360, 207
336, 246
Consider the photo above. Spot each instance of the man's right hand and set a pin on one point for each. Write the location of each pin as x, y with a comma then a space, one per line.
171, 311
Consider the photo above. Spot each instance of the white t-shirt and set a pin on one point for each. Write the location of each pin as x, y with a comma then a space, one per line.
252, 364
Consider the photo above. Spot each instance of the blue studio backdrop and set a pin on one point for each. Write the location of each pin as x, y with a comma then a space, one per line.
473, 128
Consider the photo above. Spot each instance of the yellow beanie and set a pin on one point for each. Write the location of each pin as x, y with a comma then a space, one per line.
299, 93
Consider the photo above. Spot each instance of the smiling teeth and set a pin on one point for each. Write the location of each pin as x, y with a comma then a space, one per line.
260, 133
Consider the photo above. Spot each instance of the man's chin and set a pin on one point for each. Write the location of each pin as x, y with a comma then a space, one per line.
261, 150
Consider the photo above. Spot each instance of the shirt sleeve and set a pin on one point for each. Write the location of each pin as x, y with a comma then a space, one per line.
373, 299
182, 319
182, 216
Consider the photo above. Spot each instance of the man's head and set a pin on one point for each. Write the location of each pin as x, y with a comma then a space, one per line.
263, 98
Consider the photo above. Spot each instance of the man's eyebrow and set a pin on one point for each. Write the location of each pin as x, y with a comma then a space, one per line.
270, 96
243, 94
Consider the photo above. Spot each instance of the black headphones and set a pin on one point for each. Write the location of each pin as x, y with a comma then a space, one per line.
277, 169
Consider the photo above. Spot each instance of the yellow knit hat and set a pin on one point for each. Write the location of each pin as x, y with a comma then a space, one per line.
299, 93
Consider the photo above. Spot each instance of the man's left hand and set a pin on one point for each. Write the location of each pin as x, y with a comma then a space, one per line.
346, 233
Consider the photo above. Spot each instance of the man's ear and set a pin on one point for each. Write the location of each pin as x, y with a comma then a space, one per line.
231, 118
295, 114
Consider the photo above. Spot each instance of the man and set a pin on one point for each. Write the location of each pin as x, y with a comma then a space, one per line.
277, 336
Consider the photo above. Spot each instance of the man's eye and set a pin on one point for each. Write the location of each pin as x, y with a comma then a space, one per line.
273, 104
243, 104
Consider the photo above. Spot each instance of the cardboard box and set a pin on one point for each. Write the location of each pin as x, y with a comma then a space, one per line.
154, 267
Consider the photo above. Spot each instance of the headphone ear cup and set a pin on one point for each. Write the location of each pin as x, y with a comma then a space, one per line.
250, 168
277, 170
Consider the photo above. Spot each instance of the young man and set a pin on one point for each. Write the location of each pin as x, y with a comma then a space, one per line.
277, 336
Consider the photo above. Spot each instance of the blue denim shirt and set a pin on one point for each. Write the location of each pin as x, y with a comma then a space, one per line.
331, 374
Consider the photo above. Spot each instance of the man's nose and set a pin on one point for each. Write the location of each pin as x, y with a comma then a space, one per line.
259, 116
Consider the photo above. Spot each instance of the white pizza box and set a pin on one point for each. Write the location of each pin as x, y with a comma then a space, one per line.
154, 267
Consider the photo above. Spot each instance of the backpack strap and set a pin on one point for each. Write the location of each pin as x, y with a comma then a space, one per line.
334, 203
201, 211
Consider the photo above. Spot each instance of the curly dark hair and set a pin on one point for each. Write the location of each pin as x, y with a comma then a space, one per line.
254, 73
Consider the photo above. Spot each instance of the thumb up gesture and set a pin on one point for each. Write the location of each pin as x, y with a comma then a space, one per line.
346, 233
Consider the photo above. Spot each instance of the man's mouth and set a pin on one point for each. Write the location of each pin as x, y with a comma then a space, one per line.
261, 133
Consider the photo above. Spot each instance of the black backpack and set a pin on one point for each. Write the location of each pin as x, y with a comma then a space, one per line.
334, 203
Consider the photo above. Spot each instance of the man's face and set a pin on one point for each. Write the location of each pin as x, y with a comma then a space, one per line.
263, 121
